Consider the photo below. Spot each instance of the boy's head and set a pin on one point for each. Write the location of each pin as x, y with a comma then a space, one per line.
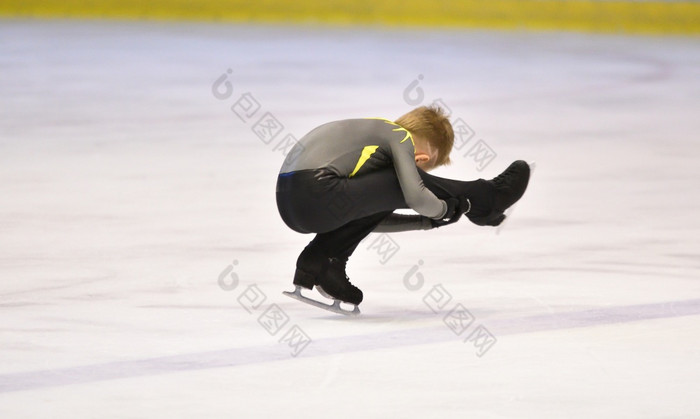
432, 134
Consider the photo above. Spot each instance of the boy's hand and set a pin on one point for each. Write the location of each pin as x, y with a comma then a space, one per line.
456, 207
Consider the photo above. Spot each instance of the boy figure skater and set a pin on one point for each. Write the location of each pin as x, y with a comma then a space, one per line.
347, 177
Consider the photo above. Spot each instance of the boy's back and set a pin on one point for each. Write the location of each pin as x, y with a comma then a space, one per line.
339, 145
354, 147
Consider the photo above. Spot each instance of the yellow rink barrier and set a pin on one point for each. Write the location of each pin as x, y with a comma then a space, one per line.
672, 17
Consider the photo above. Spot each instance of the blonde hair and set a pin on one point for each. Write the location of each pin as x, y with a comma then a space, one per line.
431, 124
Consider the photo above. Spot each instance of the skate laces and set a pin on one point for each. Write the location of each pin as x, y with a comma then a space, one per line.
340, 263
505, 177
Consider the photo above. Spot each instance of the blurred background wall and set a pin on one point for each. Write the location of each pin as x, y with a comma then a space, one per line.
672, 17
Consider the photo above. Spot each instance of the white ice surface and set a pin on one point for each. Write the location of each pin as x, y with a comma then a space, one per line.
127, 189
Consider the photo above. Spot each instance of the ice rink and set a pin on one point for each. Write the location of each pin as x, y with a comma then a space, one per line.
142, 258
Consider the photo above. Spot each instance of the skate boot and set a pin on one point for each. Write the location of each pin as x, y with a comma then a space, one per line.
314, 269
509, 187
335, 284
310, 264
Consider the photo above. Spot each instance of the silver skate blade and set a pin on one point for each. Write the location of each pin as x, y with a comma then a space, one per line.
335, 307
324, 293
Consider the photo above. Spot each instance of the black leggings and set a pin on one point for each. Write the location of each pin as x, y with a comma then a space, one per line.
343, 211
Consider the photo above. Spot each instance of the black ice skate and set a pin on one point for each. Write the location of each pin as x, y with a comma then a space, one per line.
334, 283
509, 188
331, 283
310, 264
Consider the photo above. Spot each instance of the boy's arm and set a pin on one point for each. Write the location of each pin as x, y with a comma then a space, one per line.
417, 196
408, 222
395, 223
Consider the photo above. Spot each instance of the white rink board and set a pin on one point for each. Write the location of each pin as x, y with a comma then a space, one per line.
129, 191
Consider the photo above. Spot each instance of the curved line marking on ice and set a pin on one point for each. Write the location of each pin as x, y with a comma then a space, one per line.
32, 380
